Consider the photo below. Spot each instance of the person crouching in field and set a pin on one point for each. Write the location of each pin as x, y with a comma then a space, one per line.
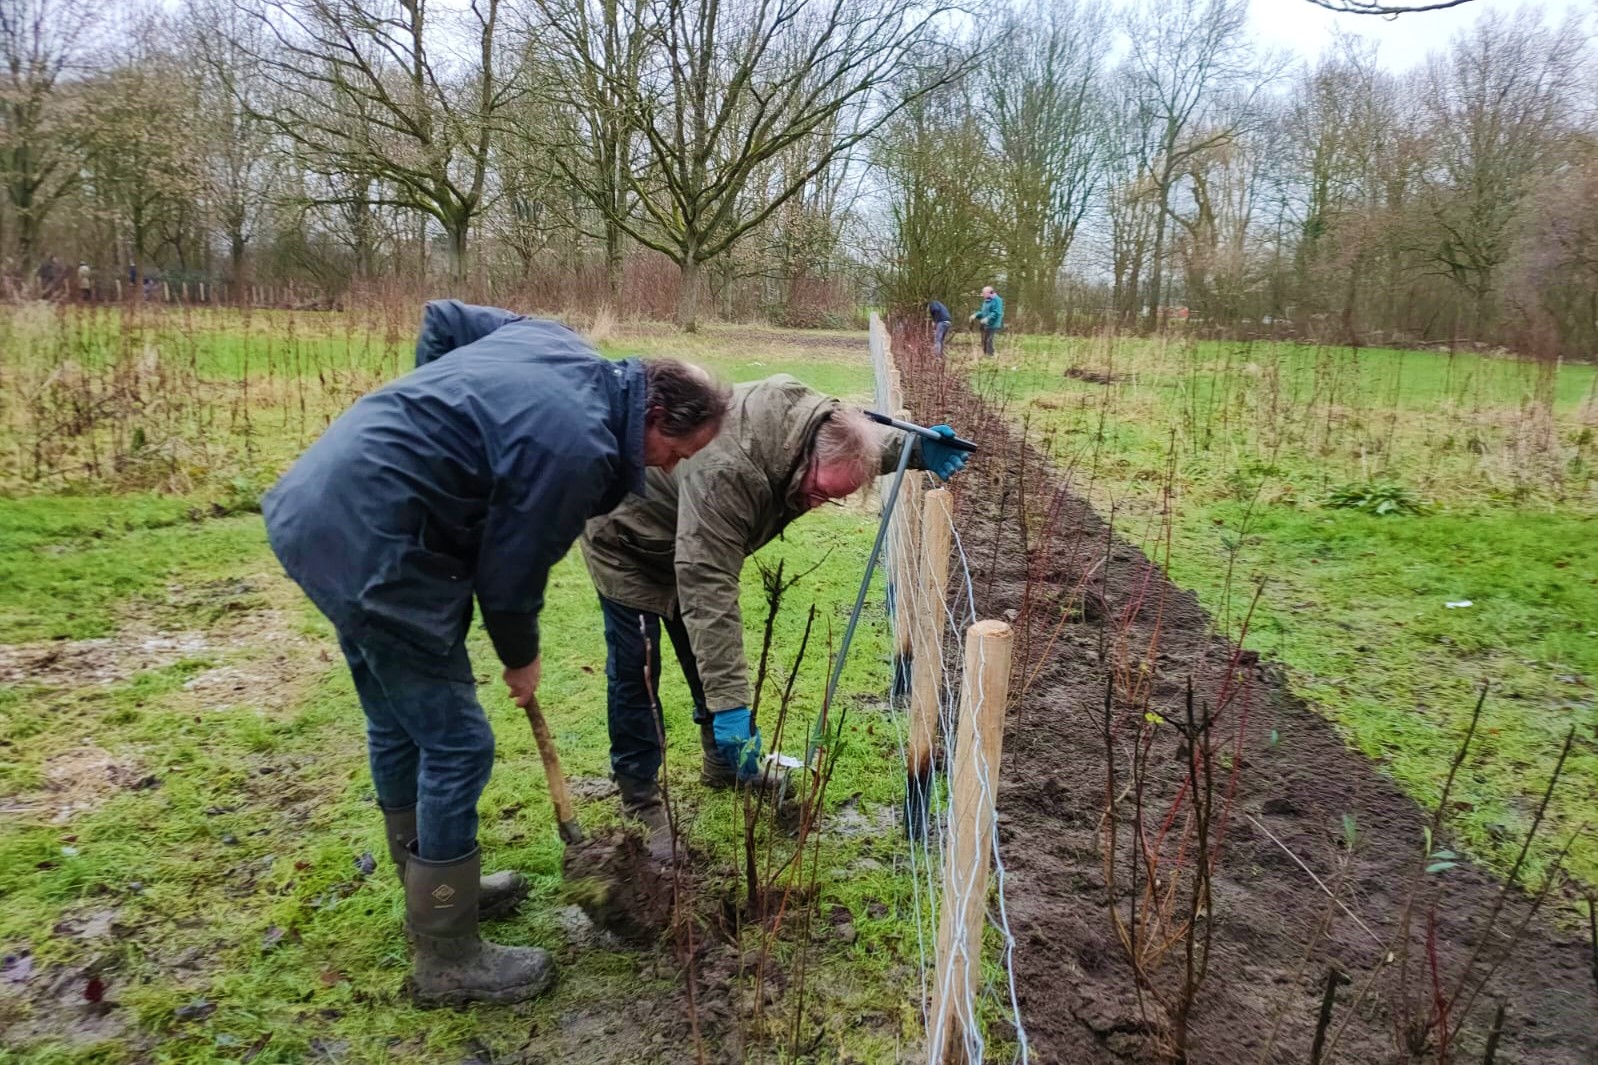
471, 475
672, 557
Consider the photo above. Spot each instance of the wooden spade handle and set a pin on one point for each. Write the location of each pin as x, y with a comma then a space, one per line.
565, 813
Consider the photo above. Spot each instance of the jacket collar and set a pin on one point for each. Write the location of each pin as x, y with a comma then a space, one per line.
627, 401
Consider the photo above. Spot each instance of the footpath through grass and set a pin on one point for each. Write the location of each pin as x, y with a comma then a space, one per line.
191, 864
1488, 467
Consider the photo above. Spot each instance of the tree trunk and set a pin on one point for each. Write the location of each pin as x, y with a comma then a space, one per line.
688, 297
456, 233
1156, 267
613, 262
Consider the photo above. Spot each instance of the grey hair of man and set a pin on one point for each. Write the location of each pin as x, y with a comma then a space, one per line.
849, 442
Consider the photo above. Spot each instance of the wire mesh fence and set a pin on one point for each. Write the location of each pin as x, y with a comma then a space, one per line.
949, 709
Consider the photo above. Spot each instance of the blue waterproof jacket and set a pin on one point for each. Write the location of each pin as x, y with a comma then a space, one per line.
991, 313
473, 473
938, 311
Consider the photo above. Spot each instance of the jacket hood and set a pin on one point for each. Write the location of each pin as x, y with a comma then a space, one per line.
777, 419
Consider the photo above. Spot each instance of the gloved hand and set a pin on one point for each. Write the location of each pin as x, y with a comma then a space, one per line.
738, 745
941, 460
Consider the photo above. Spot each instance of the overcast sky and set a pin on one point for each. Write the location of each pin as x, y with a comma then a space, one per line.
1304, 29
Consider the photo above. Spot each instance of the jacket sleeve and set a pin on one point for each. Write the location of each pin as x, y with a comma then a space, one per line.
892, 444
715, 507
530, 527
451, 324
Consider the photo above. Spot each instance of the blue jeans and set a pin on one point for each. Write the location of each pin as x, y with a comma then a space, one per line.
636, 726
428, 741
940, 332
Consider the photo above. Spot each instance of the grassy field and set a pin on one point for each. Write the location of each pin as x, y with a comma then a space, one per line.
182, 772
1489, 469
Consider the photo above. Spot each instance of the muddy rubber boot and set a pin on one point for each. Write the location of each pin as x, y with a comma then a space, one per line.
715, 771
641, 802
451, 964
498, 894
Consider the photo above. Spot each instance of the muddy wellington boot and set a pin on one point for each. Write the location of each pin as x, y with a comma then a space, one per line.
499, 893
641, 802
715, 771
451, 964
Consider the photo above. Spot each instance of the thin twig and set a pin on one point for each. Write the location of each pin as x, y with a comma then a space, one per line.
1318, 883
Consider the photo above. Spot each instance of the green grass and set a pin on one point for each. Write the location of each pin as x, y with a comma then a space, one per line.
1257, 437
190, 844
197, 401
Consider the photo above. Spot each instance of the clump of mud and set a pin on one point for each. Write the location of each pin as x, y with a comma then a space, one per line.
619, 886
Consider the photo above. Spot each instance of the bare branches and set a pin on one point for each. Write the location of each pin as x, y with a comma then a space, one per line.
359, 90
715, 92
1384, 9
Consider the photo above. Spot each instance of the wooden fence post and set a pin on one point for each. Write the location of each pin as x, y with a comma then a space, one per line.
973, 786
906, 550
930, 592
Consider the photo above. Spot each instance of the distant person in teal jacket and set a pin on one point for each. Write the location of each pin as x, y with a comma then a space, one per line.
990, 317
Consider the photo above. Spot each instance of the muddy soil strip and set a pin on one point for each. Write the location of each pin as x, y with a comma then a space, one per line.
1075, 983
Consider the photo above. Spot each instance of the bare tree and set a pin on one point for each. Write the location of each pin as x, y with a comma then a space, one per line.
42, 43
1385, 9
140, 168
1184, 56
1043, 101
1497, 104
240, 164
363, 87
1353, 160
596, 51
943, 229
728, 85
1216, 240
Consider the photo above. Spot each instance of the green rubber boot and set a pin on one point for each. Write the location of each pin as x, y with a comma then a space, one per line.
498, 895
451, 964
715, 771
641, 801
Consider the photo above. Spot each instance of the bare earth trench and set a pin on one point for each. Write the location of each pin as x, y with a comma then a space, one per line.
1076, 991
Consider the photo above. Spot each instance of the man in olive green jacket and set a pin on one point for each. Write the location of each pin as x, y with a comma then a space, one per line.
674, 557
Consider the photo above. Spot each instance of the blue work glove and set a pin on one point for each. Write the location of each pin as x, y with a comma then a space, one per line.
941, 460
738, 745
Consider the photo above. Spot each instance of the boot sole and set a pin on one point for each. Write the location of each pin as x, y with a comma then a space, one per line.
458, 999
504, 907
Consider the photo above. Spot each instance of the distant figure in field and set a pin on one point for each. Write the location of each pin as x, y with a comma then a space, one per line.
990, 316
85, 282
941, 324
49, 277
133, 273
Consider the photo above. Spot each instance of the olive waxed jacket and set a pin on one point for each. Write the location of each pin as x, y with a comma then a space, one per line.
682, 545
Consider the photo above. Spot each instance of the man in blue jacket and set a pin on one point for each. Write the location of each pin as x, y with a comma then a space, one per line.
470, 476
990, 316
941, 324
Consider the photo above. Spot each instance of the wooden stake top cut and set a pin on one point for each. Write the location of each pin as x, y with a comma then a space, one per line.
991, 629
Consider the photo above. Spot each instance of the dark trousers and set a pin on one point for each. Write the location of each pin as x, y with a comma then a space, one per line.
987, 340
427, 739
940, 332
636, 725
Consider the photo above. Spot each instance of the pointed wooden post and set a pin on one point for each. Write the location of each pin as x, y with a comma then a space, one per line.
902, 578
973, 788
930, 592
